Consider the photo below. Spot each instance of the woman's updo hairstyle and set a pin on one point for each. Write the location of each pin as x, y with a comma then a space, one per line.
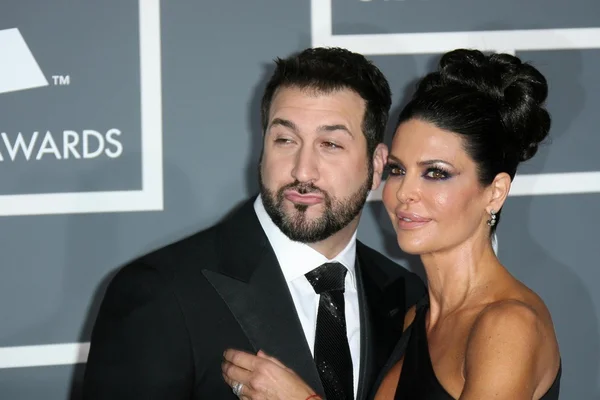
495, 102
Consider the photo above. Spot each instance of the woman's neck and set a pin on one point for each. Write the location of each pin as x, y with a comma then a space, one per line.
460, 277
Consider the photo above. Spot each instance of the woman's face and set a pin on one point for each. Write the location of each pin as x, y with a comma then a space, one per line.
432, 193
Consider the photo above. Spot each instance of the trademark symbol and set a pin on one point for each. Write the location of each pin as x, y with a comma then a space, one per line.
61, 80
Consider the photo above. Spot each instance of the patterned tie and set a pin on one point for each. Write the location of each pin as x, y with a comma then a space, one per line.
332, 353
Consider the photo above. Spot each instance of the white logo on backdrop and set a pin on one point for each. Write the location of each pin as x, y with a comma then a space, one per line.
508, 41
19, 71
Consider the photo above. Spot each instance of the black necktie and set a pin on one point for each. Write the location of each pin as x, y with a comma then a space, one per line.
332, 353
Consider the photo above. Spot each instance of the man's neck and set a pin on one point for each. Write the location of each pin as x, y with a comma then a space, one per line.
334, 244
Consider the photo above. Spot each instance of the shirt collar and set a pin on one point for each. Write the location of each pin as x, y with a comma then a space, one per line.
296, 258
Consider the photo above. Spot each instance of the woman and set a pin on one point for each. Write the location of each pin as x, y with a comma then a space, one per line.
480, 333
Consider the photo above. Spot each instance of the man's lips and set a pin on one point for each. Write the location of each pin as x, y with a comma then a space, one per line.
305, 199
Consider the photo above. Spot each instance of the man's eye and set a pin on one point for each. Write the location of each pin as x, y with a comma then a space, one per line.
331, 145
283, 141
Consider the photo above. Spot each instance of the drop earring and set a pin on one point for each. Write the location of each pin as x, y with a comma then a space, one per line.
492, 220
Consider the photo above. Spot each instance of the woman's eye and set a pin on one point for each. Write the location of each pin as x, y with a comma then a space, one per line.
395, 170
436, 174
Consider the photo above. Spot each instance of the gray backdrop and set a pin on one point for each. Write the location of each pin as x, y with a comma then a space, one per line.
69, 222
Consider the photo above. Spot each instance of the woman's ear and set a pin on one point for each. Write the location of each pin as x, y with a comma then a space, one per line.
498, 192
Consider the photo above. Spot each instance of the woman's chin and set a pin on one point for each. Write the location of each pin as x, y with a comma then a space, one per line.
410, 247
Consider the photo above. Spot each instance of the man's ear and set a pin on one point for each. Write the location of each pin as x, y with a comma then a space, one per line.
379, 160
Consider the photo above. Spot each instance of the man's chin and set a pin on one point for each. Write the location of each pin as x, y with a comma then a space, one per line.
308, 213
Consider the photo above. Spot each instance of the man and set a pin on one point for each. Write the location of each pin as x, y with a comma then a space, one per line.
246, 283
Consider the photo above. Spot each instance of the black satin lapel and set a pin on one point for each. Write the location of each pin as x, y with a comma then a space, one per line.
366, 372
382, 320
266, 313
388, 324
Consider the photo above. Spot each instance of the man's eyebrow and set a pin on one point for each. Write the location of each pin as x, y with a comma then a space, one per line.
335, 127
284, 122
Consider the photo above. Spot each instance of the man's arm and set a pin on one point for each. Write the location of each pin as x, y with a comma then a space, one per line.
140, 348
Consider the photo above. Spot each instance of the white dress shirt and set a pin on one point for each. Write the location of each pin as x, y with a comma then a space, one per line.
296, 259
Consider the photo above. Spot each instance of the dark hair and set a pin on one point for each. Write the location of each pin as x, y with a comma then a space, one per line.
495, 102
325, 70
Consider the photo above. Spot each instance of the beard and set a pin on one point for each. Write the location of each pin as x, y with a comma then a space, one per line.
297, 226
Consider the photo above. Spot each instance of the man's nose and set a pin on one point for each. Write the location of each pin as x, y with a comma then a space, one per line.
305, 165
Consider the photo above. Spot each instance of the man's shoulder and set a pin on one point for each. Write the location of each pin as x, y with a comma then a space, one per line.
205, 249
387, 266
156, 270
183, 251
386, 271
177, 267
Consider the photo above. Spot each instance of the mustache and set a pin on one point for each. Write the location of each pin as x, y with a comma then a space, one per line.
302, 188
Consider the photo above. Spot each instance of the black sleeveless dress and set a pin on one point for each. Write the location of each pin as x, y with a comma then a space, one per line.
417, 379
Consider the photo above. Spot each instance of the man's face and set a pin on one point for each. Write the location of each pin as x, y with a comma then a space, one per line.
315, 174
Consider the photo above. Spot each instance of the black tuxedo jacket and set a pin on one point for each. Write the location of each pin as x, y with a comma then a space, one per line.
167, 317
